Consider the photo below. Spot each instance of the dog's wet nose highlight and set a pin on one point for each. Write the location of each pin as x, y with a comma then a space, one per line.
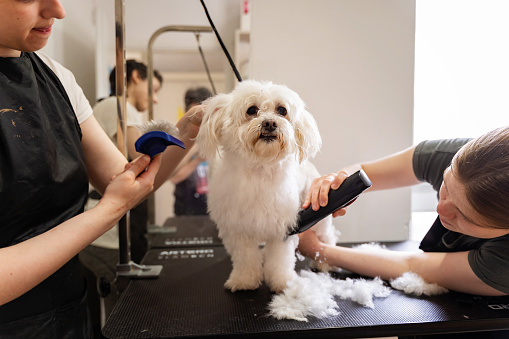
269, 125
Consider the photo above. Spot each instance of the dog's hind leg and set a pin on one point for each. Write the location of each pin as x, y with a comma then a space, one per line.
279, 263
246, 256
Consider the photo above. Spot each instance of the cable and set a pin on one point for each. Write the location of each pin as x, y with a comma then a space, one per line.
232, 64
205, 62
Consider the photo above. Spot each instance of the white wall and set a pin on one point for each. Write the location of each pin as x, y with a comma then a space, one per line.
73, 43
353, 64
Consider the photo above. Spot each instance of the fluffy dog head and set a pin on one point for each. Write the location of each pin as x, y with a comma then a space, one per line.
259, 121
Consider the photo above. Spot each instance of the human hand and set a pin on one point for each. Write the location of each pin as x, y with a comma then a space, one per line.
128, 188
318, 194
310, 246
189, 124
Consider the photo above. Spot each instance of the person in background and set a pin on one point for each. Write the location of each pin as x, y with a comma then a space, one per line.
136, 105
465, 250
51, 147
101, 257
190, 178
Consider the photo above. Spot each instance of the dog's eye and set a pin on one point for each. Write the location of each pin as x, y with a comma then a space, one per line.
252, 110
281, 111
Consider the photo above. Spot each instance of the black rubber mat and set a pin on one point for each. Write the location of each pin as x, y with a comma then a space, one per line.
185, 231
189, 300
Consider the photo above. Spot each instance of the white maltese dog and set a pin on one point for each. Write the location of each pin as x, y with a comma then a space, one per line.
258, 139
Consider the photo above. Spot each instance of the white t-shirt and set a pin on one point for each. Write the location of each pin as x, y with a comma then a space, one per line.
79, 102
105, 112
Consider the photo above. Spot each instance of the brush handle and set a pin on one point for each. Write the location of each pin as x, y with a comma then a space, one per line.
346, 194
155, 142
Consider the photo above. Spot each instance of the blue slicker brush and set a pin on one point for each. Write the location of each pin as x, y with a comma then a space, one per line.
156, 137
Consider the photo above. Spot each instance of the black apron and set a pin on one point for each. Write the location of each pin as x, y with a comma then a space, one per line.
440, 239
43, 182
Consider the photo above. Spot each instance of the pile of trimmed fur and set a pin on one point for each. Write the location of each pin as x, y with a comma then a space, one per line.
313, 294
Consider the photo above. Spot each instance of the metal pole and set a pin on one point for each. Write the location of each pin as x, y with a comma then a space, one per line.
120, 80
150, 56
125, 267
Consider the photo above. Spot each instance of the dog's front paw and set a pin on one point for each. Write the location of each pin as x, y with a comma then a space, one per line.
239, 284
278, 283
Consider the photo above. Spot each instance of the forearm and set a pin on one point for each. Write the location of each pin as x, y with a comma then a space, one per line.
392, 171
381, 263
28, 263
172, 156
185, 171
103, 159
188, 127
450, 270
373, 262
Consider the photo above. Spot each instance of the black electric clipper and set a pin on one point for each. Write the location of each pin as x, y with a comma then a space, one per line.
346, 194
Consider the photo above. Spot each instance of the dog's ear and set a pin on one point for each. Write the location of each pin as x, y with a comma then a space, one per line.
209, 136
307, 136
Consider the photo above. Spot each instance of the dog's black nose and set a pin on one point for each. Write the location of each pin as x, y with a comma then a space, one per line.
269, 125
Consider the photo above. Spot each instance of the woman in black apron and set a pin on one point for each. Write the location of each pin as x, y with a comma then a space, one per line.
44, 180
47, 158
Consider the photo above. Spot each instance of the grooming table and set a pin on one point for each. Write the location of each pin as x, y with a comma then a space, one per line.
188, 300
184, 231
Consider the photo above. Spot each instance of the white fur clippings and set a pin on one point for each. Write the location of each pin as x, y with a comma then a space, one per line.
312, 294
411, 283
258, 140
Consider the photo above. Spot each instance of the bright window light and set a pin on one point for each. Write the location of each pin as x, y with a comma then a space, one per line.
461, 79
461, 68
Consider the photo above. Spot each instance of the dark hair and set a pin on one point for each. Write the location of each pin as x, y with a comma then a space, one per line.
482, 166
195, 96
132, 65
158, 77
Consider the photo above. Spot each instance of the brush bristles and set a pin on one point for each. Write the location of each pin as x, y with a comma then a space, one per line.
159, 125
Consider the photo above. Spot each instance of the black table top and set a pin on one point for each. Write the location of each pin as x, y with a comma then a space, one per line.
188, 300
184, 231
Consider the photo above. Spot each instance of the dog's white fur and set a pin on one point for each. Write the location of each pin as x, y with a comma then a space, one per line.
259, 178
